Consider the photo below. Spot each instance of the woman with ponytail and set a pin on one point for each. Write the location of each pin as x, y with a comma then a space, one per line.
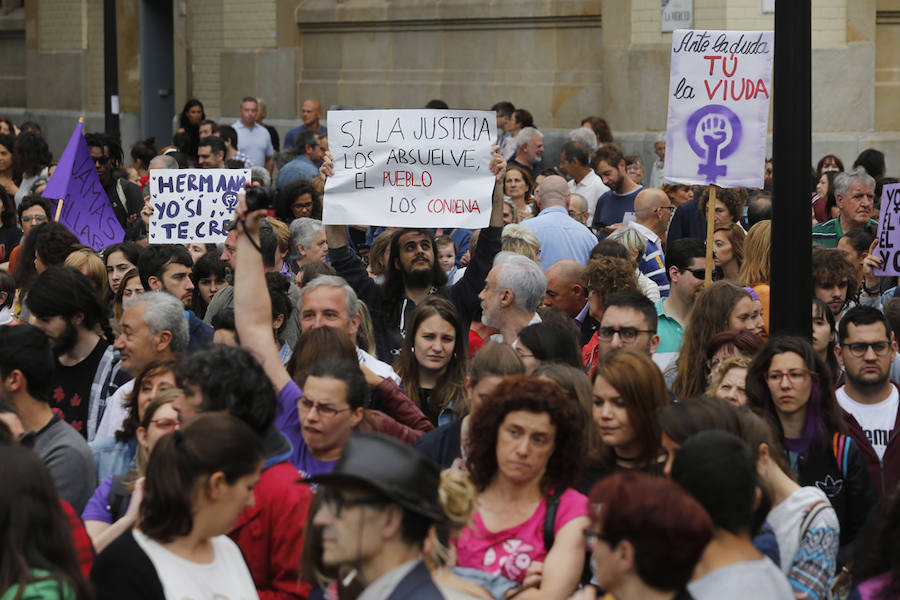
198, 481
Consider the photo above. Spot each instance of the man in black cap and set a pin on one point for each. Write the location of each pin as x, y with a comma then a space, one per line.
375, 511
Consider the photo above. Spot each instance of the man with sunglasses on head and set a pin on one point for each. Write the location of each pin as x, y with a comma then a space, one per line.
869, 399
686, 268
124, 196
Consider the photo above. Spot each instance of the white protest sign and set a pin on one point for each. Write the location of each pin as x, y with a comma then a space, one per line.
888, 248
410, 168
193, 205
720, 86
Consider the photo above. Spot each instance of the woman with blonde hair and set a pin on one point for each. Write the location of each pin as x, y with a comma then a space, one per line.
636, 244
91, 265
521, 240
757, 265
510, 212
728, 380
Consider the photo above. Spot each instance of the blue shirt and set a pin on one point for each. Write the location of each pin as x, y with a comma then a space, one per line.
256, 143
299, 168
290, 137
561, 236
611, 208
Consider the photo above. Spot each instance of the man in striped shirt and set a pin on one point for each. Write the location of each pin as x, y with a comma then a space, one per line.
653, 210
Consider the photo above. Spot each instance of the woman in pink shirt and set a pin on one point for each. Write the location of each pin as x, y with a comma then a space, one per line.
524, 452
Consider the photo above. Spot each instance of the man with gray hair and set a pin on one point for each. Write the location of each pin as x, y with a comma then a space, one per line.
153, 328
512, 293
854, 192
162, 161
308, 240
329, 301
529, 150
560, 235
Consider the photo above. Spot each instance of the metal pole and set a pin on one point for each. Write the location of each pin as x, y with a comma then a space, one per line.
791, 285
110, 68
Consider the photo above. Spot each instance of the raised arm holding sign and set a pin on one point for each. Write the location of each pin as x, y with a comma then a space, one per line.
413, 272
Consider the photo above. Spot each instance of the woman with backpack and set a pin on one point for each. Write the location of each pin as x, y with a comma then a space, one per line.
788, 383
524, 455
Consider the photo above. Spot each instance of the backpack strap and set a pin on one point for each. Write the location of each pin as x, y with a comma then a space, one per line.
550, 519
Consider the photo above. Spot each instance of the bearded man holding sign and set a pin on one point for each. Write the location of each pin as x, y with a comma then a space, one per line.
413, 272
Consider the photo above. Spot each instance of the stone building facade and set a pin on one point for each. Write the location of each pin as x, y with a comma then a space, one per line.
561, 59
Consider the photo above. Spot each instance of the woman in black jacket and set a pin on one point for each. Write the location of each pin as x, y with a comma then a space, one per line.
788, 383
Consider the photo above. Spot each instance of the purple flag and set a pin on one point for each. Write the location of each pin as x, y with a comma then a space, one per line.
86, 210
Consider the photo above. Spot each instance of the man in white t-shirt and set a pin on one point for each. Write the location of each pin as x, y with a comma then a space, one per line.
868, 397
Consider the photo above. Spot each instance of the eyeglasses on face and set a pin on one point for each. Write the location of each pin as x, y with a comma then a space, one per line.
698, 273
35, 218
626, 334
859, 349
795, 376
326, 411
166, 424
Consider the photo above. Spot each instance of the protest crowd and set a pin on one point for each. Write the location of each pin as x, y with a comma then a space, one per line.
554, 406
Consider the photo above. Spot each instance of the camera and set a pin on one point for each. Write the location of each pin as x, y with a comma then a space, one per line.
259, 198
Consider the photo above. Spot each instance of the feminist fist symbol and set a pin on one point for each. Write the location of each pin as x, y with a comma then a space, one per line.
713, 132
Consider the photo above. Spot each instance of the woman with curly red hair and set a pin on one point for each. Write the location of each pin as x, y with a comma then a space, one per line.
525, 453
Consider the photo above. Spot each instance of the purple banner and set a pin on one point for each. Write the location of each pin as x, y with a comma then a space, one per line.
86, 210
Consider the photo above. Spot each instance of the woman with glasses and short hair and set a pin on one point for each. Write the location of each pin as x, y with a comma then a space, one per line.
113, 508
787, 382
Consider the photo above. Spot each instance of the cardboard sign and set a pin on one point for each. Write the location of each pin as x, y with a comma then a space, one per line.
888, 248
410, 168
720, 87
81, 204
193, 205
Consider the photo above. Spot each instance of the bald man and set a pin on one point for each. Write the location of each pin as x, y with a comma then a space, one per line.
579, 209
566, 292
310, 112
560, 235
653, 210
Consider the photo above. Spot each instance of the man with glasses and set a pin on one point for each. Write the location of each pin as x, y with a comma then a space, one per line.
628, 323
303, 166
685, 265
578, 208
124, 196
869, 398
376, 510
653, 210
